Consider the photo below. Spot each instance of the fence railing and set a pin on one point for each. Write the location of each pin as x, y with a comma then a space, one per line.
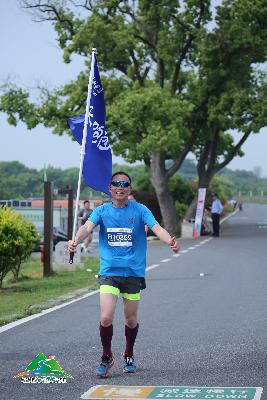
254, 198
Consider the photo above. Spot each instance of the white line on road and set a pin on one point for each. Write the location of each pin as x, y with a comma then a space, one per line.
166, 260
184, 251
191, 248
152, 267
49, 310
207, 240
228, 216
176, 255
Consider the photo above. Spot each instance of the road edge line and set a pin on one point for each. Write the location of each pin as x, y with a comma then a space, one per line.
13, 324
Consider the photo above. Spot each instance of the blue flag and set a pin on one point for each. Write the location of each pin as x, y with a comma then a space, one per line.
97, 163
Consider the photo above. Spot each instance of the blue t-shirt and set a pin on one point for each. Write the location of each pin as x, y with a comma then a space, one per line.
122, 238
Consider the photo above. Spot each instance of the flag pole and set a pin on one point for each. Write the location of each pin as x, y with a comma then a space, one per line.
82, 152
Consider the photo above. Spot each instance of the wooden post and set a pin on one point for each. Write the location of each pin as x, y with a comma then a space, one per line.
69, 192
70, 213
48, 228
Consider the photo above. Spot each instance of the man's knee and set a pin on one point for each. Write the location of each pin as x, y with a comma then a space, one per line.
131, 321
106, 320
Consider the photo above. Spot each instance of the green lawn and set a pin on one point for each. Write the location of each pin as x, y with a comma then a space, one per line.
24, 297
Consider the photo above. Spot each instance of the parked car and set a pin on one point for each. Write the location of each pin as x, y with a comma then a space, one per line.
58, 236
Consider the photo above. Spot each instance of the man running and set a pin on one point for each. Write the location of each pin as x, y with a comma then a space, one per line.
122, 242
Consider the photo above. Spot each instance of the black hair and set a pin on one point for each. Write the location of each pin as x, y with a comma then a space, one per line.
121, 173
86, 201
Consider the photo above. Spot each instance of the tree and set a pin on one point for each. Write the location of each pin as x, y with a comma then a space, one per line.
166, 85
233, 90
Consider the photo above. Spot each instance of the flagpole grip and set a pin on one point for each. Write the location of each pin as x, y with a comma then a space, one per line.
71, 257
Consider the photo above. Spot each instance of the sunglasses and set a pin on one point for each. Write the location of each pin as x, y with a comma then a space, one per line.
120, 184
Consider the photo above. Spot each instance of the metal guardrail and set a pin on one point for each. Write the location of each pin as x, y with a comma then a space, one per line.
258, 199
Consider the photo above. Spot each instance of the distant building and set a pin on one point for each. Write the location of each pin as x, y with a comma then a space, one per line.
33, 210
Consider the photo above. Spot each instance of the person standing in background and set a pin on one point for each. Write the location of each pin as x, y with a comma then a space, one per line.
216, 210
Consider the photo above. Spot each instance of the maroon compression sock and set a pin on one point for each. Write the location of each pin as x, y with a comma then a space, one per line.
130, 334
106, 333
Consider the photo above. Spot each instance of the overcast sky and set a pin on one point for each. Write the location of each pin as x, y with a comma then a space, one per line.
30, 55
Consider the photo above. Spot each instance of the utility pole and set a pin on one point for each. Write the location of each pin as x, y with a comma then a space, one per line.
48, 228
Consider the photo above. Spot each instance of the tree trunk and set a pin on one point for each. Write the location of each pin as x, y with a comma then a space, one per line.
191, 211
167, 207
15, 270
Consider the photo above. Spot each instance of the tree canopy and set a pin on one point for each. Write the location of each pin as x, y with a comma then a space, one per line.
174, 82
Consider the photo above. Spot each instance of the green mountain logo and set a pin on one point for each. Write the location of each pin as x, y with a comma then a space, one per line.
45, 366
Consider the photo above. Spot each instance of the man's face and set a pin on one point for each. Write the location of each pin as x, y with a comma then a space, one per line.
120, 193
86, 206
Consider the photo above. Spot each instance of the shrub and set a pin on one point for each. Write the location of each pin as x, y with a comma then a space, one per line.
181, 209
18, 239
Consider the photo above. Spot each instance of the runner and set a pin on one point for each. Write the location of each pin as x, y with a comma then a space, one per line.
122, 241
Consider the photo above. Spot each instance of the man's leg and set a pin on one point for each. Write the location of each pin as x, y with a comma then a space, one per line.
131, 330
108, 303
215, 224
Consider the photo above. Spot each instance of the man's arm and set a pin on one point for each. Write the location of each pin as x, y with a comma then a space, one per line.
165, 237
82, 233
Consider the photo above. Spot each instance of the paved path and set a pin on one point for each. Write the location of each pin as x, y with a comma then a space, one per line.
197, 330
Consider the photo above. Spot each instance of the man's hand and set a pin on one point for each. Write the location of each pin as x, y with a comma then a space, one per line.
72, 246
174, 245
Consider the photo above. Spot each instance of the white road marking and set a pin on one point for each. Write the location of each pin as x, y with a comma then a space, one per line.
176, 255
49, 310
152, 267
165, 260
184, 251
191, 248
230, 215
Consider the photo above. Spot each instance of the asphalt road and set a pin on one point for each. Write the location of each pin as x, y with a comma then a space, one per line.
195, 330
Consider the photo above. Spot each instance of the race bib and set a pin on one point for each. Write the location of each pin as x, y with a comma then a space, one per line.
121, 237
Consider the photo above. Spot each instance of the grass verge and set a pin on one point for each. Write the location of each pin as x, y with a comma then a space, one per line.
28, 295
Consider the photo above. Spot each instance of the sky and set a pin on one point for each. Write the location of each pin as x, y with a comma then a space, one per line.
30, 56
